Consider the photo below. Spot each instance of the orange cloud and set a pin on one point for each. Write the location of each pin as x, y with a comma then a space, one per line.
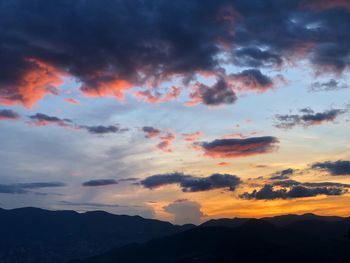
113, 88
152, 96
39, 80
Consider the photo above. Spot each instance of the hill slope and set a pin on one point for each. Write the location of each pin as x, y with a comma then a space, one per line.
253, 241
32, 235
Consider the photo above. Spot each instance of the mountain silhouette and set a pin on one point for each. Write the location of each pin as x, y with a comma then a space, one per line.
282, 220
255, 240
32, 235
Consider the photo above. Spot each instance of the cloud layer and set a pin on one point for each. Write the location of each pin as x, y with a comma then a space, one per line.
336, 168
307, 117
268, 192
189, 183
6, 114
233, 148
24, 188
100, 182
185, 211
109, 53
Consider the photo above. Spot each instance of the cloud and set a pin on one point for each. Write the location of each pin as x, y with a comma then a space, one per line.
330, 85
100, 129
268, 192
100, 182
307, 117
166, 142
185, 212
256, 57
223, 164
151, 132
154, 96
87, 204
30, 82
284, 174
41, 185
120, 56
72, 101
251, 79
131, 179
8, 115
220, 93
38, 58
189, 183
24, 188
326, 4
336, 168
234, 148
41, 119
289, 183
190, 137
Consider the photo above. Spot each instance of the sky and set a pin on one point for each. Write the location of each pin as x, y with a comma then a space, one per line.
176, 110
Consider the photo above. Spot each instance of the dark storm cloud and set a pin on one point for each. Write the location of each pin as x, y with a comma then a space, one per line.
114, 46
100, 129
293, 31
220, 93
108, 47
269, 193
336, 168
8, 115
284, 174
307, 117
328, 86
100, 182
189, 183
233, 148
24, 188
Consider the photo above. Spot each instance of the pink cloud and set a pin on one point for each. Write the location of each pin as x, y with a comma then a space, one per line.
72, 101
166, 142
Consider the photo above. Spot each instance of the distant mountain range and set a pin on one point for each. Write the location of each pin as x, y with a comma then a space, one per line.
31, 235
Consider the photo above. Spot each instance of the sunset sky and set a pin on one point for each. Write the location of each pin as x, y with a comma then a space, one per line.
176, 110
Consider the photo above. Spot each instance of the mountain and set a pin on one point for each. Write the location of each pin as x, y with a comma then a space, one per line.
253, 241
276, 220
291, 218
32, 235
